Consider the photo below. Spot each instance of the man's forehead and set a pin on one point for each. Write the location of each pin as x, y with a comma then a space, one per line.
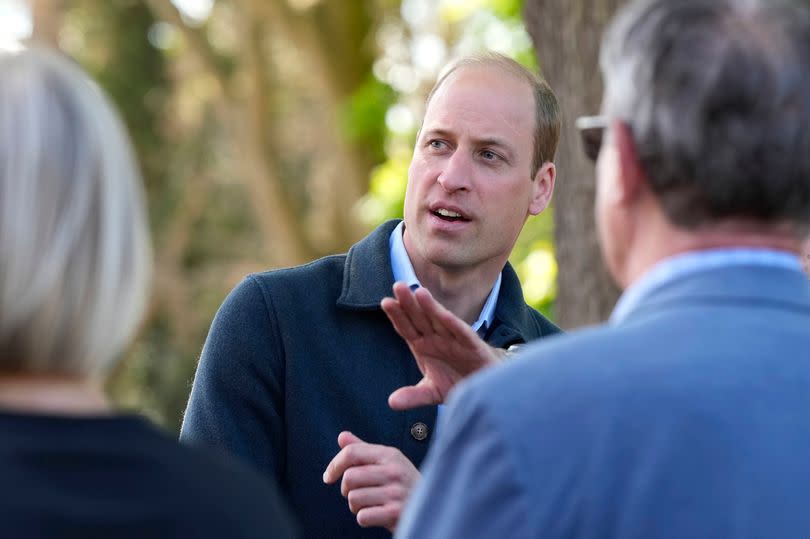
481, 94
494, 78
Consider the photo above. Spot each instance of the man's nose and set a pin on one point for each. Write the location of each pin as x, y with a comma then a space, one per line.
455, 175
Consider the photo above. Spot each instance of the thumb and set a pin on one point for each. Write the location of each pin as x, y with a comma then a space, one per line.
347, 438
409, 397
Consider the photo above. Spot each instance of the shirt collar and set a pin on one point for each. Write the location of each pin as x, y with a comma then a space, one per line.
404, 272
673, 268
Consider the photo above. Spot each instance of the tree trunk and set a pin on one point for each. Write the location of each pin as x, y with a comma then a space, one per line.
566, 36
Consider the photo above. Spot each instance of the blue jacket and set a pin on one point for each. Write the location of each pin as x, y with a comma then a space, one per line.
687, 419
297, 355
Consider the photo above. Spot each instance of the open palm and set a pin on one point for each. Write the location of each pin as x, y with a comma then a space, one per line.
446, 349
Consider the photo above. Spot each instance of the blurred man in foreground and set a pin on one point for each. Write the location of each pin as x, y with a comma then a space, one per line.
75, 260
686, 415
300, 358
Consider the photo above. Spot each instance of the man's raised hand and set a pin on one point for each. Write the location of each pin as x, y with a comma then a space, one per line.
445, 347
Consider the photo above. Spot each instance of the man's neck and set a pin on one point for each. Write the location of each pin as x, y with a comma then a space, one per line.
665, 241
464, 294
462, 291
56, 395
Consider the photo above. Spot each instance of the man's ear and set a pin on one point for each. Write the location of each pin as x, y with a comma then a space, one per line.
631, 178
542, 187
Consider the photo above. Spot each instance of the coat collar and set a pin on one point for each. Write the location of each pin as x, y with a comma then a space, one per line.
736, 285
511, 311
368, 278
367, 274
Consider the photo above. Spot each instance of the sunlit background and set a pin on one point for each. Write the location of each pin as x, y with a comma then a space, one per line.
270, 132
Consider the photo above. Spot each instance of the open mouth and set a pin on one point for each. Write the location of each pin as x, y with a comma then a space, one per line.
448, 215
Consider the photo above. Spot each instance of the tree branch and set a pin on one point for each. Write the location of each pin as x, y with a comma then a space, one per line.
165, 10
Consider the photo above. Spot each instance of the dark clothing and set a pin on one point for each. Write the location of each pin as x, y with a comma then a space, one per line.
298, 355
118, 476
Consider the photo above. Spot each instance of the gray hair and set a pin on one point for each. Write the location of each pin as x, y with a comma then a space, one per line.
546, 109
75, 256
717, 96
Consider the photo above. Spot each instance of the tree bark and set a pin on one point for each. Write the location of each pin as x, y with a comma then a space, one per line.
566, 36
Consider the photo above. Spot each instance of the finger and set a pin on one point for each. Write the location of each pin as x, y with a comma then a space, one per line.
422, 394
412, 309
356, 454
385, 516
369, 475
451, 325
434, 312
346, 438
335, 466
369, 497
402, 324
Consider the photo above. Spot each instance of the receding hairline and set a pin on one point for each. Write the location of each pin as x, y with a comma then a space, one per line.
485, 62
546, 110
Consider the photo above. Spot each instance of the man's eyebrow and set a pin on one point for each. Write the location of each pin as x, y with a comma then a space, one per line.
484, 141
493, 141
509, 151
438, 132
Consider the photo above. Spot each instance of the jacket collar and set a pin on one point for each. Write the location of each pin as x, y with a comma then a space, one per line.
368, 278
736, 285
367, 274
511, 312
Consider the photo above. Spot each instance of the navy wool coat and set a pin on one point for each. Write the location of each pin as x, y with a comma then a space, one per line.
295, 356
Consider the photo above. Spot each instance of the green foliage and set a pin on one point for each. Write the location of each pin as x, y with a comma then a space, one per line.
154, 379
174, 112
506, 9
363, 115
386, 192
109, 39
115, 51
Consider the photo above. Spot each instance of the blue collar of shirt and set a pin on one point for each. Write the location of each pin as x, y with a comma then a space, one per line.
675, 267
403, 271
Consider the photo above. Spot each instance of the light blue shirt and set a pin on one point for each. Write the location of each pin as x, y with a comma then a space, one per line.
679, 266
403, 271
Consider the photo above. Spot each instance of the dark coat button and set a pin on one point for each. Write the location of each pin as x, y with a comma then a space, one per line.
419, 431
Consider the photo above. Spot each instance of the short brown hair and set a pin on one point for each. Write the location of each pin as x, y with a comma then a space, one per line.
546, 107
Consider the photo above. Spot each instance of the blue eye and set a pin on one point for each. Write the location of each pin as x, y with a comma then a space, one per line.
436, 144
489, 155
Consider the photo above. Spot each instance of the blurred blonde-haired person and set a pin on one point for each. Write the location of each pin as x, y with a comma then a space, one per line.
75, 261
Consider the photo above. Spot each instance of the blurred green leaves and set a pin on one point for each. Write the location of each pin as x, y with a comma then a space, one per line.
363, 115
474, 23
219, 138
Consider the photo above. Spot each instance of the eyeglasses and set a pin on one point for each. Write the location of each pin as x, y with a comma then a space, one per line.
591, 131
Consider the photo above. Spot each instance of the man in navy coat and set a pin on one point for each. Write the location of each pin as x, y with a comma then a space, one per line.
299, 363
686, 415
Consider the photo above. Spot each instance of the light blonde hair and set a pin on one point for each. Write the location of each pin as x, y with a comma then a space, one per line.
75, 255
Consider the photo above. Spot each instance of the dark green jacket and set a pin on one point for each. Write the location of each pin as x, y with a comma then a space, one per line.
297, 355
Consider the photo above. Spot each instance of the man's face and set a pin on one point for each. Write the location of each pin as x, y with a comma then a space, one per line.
470, 185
